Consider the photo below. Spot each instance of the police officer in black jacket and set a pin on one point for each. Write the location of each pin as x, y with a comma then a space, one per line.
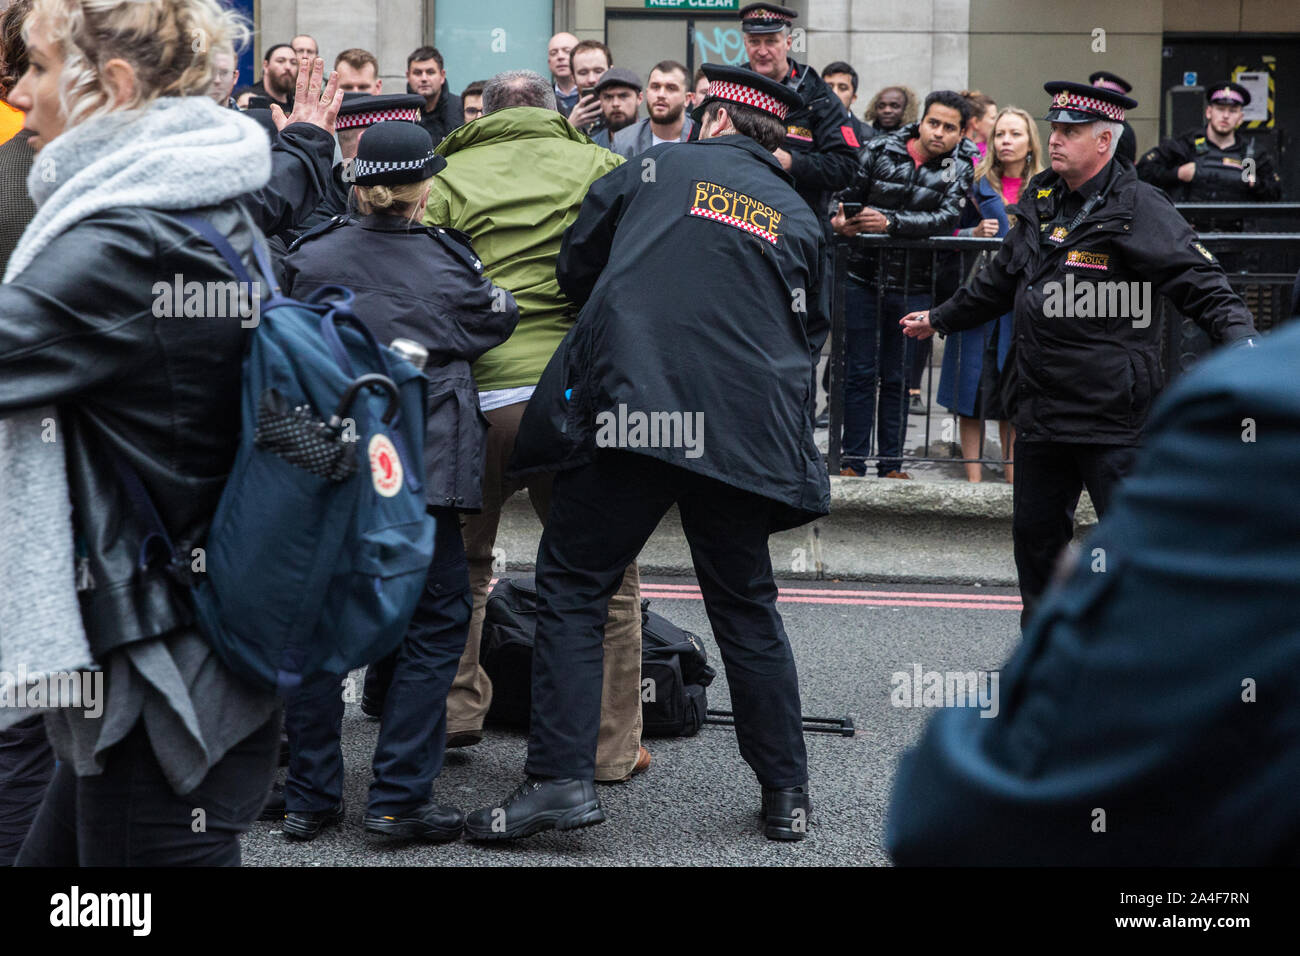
1127, 148
820, 147
1091, 248
651, 401
1212, 163
426, 286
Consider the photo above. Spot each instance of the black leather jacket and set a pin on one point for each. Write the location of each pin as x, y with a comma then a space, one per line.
79, 328
920, 201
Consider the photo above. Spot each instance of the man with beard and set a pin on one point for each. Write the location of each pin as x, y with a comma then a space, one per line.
619, 92
279, 75
665, 101
426, 76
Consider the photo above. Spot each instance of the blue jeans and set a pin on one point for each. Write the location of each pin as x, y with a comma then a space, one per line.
413, 728
865, 359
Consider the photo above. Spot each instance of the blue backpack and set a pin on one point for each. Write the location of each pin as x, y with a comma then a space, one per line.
320, 545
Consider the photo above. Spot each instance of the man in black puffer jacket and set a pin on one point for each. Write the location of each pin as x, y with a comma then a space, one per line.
914, 184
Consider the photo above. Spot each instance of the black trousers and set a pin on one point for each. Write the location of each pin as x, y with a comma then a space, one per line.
26, 765
413, 685
1049, 479
601, 516
130, 816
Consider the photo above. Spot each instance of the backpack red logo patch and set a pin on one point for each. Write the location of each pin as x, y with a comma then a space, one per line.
385, 466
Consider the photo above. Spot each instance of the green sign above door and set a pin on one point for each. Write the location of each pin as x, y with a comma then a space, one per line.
706, 5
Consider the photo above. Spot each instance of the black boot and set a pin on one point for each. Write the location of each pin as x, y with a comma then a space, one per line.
307, 824
786, 812
432, 823
538, 805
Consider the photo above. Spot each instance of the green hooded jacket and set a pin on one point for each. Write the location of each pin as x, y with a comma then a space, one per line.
514, 182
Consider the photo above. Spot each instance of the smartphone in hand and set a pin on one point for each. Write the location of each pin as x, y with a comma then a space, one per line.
851, 209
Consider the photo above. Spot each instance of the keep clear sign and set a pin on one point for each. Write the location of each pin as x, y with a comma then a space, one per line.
692, 4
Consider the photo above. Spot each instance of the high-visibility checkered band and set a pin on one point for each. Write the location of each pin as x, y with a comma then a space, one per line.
768, 15
361, 167
749, 96
739, 223
1231, 95
376, 116
1065, 100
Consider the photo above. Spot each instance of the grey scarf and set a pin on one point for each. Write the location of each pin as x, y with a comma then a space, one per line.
175, 153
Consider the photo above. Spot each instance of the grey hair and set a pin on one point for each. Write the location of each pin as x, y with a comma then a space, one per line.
1116, 131
517, 88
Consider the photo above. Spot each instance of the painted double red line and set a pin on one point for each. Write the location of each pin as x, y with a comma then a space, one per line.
846, 596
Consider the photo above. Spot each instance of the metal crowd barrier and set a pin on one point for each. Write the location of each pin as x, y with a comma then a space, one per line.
1261, 267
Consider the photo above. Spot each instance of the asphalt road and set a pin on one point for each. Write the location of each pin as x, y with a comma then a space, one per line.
698, 802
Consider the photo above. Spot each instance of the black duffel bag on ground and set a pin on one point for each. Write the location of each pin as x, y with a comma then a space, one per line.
674, 666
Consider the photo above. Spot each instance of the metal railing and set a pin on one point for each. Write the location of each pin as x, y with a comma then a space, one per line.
1261, 267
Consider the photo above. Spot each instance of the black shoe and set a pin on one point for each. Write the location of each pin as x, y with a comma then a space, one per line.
538, 805
372, 707
307, 824
785, 813
823, 420
432, 823
274, 809
916, 406
468, 738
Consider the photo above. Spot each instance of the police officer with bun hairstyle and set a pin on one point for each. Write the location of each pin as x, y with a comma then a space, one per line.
1091, 249
422, 290
1212, 163
820, 146
651, 401
1127, 149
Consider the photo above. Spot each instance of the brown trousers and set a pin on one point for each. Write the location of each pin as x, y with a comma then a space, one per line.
471, 693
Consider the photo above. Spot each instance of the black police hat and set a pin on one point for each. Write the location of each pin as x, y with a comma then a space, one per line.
765, 18
1232, 94
395, 152
617, 76
1081, 103
367, 109
735, 84
1110, 81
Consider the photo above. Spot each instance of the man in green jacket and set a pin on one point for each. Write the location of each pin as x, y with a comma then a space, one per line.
514, 182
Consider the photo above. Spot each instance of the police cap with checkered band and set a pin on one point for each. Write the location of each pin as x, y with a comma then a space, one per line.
367, 109
393, 153
1081, 103
765, 18
735, 84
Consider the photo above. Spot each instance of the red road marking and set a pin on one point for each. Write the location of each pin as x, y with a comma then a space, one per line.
849, 597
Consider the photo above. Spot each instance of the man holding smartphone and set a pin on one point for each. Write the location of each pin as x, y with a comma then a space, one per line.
589, 60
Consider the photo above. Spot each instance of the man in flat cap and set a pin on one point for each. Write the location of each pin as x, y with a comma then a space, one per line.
1127, 149
619, 92
820, 147
1212, 163
1091, 247
650, 401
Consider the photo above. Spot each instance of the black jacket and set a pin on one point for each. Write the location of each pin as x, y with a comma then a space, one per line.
737, 344
1218, 171
443, 118
1093, 379
426, 284
301, 157
16, 209
920, 201
78, 329
819, 138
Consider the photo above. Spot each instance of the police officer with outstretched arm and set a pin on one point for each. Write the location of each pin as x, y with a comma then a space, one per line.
820, 148
651, 401
1091, 248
